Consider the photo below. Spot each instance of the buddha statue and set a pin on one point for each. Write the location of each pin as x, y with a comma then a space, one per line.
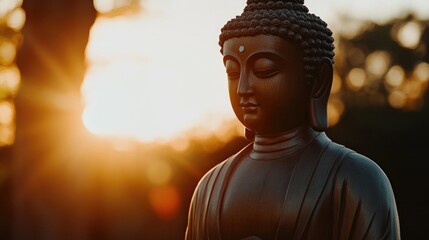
292, 181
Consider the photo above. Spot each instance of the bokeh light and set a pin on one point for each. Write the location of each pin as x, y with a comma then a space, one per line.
383, 64
106, 6
397, 99
158, 172
395, 76
7, 113
335, 111
421, 71
12, 19
413, 89
7, 52
409, 35
165, 201
377, 63
16, 19
7, 125
407, 92
9, 81
7, 6
356, 79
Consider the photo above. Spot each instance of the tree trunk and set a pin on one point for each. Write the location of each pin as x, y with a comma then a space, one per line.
48, 109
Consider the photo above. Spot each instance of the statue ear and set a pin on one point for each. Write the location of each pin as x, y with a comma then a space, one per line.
320, 90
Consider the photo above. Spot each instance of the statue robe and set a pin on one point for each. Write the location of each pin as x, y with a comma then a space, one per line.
333, 193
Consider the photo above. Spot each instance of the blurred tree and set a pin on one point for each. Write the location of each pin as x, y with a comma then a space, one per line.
48, 115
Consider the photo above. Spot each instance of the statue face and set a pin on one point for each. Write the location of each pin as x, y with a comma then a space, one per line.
266, 83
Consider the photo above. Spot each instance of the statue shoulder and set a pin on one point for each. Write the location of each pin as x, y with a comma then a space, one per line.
364, 194
361, 172
199, 202
211, 175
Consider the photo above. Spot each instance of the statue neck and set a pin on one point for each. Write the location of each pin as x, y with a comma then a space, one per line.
269, 147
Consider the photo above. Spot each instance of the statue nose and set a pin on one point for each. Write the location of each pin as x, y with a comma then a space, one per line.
244, 88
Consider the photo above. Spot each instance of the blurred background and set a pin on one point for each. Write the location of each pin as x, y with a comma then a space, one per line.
112, 110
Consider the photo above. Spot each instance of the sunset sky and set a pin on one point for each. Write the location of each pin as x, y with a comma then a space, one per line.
156, 73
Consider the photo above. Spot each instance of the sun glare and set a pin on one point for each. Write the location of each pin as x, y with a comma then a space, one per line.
155, 74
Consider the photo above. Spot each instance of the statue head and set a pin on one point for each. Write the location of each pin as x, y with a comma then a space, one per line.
279, 59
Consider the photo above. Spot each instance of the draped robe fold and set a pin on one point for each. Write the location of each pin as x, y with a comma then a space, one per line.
334, 193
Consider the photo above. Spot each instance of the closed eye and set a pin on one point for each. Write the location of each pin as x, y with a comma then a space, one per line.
266, 73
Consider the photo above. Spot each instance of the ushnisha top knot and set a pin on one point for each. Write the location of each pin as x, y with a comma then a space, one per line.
285, 1
289, 19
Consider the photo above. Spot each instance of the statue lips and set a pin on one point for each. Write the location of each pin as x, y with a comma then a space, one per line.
249, 107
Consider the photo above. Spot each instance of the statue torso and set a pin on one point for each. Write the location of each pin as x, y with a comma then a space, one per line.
323, 191
254, 198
